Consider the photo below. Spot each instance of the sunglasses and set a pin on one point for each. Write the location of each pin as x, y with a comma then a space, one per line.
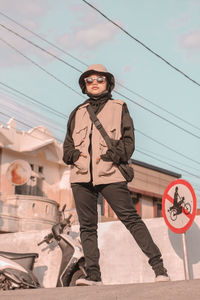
100, 79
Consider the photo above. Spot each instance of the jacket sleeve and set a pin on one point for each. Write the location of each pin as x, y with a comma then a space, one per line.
122, 150
70, 154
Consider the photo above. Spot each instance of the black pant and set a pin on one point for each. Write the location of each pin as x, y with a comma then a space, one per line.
119, 198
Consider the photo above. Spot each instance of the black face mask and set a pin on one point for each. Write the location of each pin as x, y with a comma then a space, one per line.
103, 95
98, 102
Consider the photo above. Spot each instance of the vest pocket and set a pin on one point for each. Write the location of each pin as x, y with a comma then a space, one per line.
105, 168
79, 136
81, 165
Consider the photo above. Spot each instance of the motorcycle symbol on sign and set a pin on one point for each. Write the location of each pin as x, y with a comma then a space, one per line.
179, 206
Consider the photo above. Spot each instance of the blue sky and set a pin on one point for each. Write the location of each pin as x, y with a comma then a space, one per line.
170, 28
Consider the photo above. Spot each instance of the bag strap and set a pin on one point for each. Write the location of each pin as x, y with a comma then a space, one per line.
99, 126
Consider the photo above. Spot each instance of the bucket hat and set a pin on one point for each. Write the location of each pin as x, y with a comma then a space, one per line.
100, 70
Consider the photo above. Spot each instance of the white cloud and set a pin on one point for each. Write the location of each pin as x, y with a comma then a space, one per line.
9, 57
28, 13
127, 68
24, 9
179, 22
190, 43
91, 31
96, 35
88, 32
191, 40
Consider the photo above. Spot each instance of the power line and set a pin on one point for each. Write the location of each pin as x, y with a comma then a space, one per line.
33, 100
43, 39
185, 121
167, 147
168, 164
158, 106
138, 41
25, 124
82, 96
65, 117
43, 69
59, 80
147, 109
35, 119
39, 47
137, 150
6, 115
83, 63
187, 166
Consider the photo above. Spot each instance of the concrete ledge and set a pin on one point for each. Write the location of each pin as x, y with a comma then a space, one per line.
179, 290
121, 261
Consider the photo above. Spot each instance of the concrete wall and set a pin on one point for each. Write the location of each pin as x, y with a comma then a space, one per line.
121, 259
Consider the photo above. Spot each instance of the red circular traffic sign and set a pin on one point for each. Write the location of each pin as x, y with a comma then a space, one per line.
179, 205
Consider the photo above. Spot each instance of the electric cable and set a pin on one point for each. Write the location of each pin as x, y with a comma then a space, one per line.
33, 100
43, 69
163, 156
185, 121
167, 147
168, 164
158, 106
43, 39
141, 43
39, 47
25, 124
59, 80
163, 118
66, 117
34, 119
81, 95
144, 135
191, 174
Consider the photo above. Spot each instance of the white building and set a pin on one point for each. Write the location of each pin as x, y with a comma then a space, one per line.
33, 205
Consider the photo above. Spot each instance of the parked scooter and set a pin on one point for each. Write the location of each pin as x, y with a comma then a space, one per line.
16, 269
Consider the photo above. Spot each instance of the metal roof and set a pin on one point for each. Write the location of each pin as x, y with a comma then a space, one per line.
155, 168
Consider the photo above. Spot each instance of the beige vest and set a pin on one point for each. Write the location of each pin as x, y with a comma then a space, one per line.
103, 172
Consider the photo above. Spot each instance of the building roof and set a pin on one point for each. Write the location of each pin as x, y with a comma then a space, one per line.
37, 139
155, 168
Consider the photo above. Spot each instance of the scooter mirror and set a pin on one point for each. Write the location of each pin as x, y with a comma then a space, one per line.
63, 209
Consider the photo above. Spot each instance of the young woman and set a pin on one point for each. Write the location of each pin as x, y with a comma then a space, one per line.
94, 170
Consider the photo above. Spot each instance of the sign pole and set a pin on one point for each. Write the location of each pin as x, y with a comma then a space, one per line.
185, 257
179, 204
